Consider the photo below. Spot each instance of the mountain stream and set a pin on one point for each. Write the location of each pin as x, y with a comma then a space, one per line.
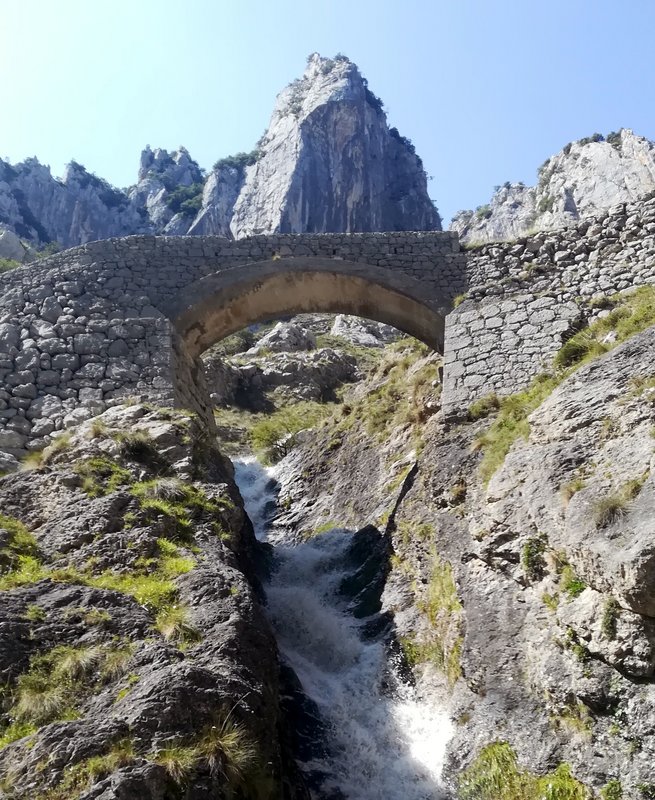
371, 739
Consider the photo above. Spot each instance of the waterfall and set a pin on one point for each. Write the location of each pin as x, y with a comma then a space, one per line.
380, 742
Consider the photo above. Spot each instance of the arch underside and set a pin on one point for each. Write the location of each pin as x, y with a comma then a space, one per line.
225, 302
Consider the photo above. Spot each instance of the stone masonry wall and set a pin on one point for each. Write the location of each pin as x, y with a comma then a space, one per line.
525, 297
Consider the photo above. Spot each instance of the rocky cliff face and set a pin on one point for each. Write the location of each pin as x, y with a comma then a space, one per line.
328, 163
135, 658
583, 179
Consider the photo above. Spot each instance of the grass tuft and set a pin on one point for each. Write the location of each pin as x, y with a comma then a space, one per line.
570, 583
611, 508
101, 476
178, 762
139, 446
172, 623
56, 681
496, 775
228, 750
443, 610
610, 618
532, 557
483, 407
39, 459
17, 543
276, 434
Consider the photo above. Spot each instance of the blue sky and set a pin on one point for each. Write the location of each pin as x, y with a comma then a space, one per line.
486, 90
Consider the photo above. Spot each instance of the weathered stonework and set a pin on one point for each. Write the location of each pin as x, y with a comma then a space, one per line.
526, 295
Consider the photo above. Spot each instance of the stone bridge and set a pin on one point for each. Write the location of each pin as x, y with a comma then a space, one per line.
130, 316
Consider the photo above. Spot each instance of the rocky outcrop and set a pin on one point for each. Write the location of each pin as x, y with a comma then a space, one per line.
136, 660
285, 337
354, 468
584, 179
168, 190
261, 381
328, 163
363, 332
79, 208
11, 246
219, 196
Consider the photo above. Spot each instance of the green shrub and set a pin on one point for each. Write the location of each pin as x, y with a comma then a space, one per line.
7, 264
572, 487
34, 613
614, 138
442, 608
139, 446
101, 476
612, 789
570, 583
595, 137
610, 616
532, 557
612, 507
551, 601
240, 160
185, 200
20, 544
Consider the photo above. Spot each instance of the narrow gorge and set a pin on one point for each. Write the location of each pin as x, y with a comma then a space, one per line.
305, 498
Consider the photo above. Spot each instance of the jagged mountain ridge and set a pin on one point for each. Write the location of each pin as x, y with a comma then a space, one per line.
327, 163
583, 179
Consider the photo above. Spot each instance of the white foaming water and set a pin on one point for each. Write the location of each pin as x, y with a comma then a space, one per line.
383, 743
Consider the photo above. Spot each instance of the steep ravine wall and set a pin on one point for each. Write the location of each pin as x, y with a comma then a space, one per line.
524, 606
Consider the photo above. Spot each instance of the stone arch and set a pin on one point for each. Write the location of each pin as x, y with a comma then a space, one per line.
220, 304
